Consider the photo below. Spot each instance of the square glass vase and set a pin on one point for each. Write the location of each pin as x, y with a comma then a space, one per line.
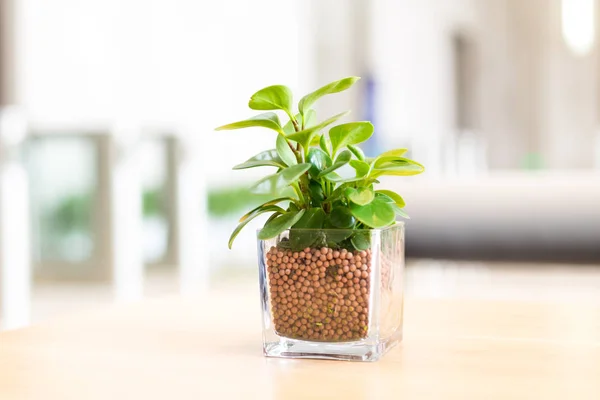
332, 293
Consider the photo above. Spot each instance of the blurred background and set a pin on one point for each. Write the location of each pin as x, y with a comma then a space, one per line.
114, 186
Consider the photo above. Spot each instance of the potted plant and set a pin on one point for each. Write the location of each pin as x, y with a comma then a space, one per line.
331, 254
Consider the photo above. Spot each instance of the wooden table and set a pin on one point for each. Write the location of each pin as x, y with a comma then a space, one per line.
209, 348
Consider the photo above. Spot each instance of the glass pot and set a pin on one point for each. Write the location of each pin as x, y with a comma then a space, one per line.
332, 293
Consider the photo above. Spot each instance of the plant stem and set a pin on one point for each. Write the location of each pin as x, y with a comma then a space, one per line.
294, 122
297, 153
304, 188
300, 194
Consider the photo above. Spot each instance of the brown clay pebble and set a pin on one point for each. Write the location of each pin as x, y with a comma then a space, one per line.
310, 301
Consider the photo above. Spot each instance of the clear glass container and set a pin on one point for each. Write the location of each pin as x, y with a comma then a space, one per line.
323, 298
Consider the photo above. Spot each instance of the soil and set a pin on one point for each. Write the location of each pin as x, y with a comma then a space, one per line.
320, 294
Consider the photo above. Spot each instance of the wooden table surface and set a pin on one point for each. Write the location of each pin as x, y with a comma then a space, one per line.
210, 348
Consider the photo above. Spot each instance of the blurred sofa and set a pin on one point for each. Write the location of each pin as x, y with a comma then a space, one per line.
533, 216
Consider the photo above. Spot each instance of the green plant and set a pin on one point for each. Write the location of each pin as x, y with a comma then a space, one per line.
332, 180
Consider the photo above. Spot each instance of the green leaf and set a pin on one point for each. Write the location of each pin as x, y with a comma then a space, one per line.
385, 198
337, 236
400, 211
361, 240
262, 206
267, 120
337, 178
277, 97
313, 218
309, 118
342, 218
342, 159
361, 196
391, 165
334, 87
338, 193
357, 152
334, 177
383, 161
268, 158
293, 207
319, 161
288, 128
393, 161
316, 139
305, 137
325, 145
391, 198
285, 152
253, 215
395, 153
279, 224
272, 184
272, 217
395, 197
316, 193
306, 231
361, 168
350, 133
377, 214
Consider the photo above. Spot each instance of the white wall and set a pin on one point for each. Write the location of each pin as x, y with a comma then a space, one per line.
175, 62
